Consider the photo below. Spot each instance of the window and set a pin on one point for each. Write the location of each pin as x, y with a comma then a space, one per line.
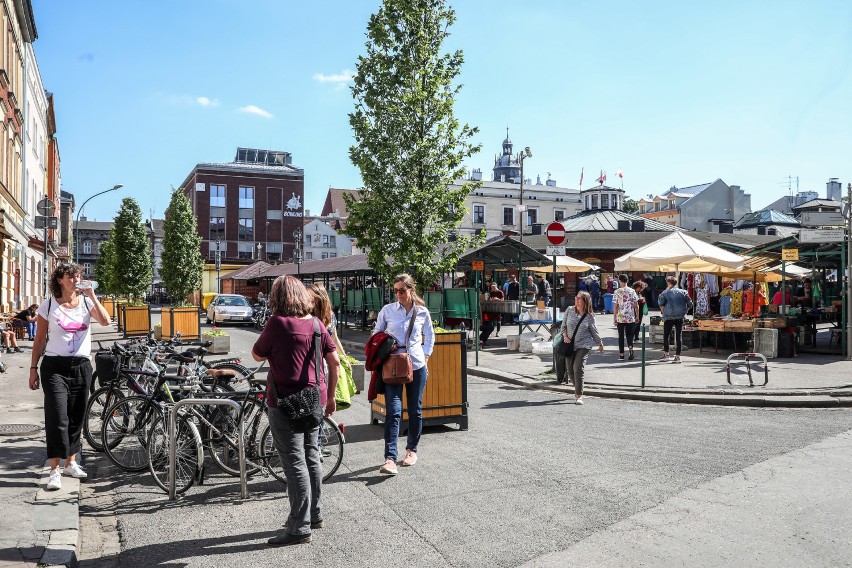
532, 217
245, 250
274, 214
508, 216
217, 228
642, 208
309, 255
479, 214
613, 203
217, 195
558, 214
87, 269
246, 230
671, 204
656, 206
246, 197
605, 201
87, 247
324, 255
274, 251
595, 201
332, 255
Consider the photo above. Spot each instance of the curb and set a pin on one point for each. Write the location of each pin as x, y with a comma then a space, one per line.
59, 513
790, 399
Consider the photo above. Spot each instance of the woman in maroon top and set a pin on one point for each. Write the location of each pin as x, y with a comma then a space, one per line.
287, 342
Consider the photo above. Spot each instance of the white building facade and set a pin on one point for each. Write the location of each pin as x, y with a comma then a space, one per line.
321, 240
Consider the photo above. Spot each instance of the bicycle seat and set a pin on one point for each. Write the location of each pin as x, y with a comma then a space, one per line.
218, 373
196, 351
185, 357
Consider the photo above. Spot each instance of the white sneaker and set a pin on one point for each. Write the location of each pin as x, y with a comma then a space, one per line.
578, 401
664, 358
55, 481
74, 470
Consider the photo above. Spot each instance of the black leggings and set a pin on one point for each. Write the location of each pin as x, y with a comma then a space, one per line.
65, 382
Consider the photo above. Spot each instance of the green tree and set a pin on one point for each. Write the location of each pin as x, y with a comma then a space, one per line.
106, 265
182, 262
409, 146
131, 261
630, 205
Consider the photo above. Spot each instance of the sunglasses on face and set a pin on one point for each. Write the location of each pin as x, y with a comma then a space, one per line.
400, 290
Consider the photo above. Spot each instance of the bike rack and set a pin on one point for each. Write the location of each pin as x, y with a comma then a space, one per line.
173, 447
748, 356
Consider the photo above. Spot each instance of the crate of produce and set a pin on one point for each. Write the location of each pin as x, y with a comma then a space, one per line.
711, 325
739, 326
771, 322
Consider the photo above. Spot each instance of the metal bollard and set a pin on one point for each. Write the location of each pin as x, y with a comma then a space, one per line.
748, 356
643, 355
173, 447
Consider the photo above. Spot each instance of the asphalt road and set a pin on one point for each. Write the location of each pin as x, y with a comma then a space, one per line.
534, 480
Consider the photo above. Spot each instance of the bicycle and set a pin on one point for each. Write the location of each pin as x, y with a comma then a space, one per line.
331, 439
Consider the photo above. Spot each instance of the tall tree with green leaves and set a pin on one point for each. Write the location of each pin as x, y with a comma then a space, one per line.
132, 265
182, 262
630, 205
409, 145
106, 265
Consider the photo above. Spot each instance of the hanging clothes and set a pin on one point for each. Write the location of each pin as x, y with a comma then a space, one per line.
702, 303
737, 303
725, 300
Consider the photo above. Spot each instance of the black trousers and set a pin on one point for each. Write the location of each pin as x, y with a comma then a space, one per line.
677, 325
65, 382
626, 331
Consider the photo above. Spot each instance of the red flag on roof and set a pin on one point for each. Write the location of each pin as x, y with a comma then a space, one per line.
620, 174
602, 178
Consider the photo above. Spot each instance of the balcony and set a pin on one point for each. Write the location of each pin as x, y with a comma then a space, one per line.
12, 99
4, 79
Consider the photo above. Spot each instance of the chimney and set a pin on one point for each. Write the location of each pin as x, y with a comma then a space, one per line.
551, 183
476, 174
833, 189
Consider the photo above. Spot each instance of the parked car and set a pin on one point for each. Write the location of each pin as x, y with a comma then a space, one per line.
230, 308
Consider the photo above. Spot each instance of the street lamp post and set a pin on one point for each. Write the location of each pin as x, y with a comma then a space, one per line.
77, 222
525, 153
297, 252
218, 267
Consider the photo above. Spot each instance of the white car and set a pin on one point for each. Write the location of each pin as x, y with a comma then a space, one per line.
229, 308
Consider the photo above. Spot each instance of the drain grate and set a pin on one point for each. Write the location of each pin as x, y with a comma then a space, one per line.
18, 429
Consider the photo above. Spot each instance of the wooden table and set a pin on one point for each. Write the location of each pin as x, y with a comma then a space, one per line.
718, 327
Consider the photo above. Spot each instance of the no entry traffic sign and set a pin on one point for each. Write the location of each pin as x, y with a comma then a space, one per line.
556, 233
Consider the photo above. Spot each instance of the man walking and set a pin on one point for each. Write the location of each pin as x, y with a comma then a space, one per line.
543, 290
674, 302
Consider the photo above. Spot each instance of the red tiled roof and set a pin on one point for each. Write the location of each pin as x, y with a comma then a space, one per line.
334, 201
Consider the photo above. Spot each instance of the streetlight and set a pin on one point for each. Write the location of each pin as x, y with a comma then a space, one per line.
218, 267
297, 253
526, 153
77, 223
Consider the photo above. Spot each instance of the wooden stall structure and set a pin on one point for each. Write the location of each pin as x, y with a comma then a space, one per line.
184, 321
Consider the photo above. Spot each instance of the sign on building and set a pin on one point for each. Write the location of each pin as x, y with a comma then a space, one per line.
821, 236
822, 219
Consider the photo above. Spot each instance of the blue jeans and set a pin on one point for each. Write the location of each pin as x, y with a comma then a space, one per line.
30, 326
393, 402
300, 460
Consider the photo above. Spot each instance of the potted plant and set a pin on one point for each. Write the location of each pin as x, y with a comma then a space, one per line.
220, 338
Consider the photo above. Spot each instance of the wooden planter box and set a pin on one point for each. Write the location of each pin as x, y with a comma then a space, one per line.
181, 320
445, 396
109, 306
221, 343
136, 320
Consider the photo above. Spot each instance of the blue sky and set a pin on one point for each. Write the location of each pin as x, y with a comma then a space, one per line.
673, 93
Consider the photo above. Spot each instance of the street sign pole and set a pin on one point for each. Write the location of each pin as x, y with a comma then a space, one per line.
556, 235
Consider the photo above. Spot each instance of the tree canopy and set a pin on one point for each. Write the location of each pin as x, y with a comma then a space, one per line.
182, 263
131, 265
409, 146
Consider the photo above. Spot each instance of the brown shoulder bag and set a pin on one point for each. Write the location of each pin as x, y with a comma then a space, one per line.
397, 368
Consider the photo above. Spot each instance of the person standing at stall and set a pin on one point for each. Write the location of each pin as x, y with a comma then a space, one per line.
674, 303
395, 320
625, 308
595, 292
530, 291
639, 287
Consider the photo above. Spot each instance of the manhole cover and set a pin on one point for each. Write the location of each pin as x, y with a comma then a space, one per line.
18, 429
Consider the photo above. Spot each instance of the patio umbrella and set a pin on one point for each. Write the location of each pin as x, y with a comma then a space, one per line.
565, 264
678, 252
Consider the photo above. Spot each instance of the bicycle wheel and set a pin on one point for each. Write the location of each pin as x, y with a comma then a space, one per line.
236, 382
222, 439
125, 430
189, 453
99, 402
330, 446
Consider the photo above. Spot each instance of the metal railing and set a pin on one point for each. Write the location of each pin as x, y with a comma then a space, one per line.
173, 446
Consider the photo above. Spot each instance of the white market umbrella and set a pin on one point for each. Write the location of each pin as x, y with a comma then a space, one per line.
565, 264
678, 252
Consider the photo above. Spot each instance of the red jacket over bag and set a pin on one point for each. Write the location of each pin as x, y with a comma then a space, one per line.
377, 349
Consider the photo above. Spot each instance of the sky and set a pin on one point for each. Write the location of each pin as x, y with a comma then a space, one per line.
671, 93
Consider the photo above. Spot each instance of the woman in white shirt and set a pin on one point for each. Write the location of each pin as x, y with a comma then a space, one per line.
63, 335
394, 319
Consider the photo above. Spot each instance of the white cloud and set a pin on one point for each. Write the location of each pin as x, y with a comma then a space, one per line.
205, 102
252, 109
343, 77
